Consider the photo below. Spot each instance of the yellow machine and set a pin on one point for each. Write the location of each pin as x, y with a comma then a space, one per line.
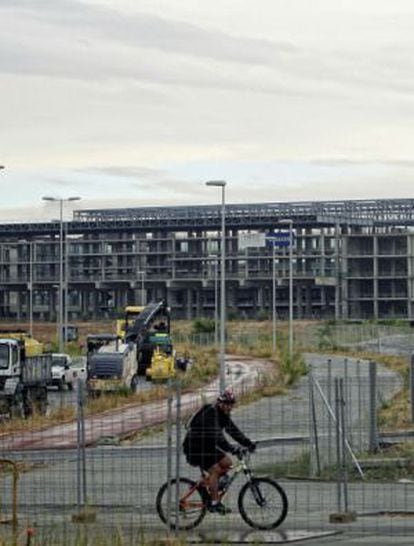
31, 346
132, 312
162, 366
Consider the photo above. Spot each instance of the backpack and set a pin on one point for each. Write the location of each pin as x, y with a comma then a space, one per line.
186, 442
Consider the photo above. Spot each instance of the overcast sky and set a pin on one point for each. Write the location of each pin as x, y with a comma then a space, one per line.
138, 102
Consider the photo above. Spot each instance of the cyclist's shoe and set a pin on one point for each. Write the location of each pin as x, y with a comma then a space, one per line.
219, 508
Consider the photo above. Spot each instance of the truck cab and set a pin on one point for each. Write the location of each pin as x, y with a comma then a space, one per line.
23, 378
9, 359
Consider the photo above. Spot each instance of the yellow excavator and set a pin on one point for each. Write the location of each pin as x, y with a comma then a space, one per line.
131, 313
150, 331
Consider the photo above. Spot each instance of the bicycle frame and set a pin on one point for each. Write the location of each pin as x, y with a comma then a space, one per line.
241, 466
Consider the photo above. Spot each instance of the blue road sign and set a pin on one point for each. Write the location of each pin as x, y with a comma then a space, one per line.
278, 238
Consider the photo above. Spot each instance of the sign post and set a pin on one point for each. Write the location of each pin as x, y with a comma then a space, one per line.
276, 239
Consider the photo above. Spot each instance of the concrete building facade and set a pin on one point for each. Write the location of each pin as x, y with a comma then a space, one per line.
351, 260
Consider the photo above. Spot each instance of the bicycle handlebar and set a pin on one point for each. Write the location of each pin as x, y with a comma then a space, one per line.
242, 453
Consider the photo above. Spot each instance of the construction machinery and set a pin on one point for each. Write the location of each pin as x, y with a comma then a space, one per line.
111, 364
25, 372
141, 347
162, 365
131, 313
150, 332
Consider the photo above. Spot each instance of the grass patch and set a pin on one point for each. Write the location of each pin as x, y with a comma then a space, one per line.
298, 467
391, 464
396, 412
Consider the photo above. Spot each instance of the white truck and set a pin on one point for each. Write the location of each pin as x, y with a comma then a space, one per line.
63, 375
23, 378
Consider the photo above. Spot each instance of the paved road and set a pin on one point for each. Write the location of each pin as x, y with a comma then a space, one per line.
241, 373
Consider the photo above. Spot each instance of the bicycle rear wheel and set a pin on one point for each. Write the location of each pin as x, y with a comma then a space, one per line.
263, 503
190, 503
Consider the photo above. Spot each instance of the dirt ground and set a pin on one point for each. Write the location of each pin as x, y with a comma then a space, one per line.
46, 332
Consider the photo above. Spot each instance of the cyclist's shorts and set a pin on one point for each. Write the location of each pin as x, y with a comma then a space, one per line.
205, 460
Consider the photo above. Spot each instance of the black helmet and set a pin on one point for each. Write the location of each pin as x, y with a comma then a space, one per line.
227, 396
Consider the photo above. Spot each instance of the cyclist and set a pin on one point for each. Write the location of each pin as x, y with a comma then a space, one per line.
205, 444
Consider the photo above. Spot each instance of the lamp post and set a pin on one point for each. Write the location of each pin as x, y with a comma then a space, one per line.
290, 343
216, 320
273, 240
60, 200
31, 288
222, 184
273, 300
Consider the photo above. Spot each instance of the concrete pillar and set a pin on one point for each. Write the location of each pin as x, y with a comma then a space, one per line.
189, 304
375, 275
298, 293
344, 280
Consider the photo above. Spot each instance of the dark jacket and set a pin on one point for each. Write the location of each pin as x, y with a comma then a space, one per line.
205, 432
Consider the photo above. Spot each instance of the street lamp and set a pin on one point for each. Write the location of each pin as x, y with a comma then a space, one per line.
222, 184
274, 345
214, 262
290, 223
60, 200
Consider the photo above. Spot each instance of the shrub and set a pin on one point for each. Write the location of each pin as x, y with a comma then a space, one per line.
203, 326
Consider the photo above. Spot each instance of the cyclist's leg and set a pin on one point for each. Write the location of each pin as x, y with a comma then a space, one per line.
222, 466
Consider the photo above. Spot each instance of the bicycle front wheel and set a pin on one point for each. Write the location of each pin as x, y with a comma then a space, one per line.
263, 503
186, 510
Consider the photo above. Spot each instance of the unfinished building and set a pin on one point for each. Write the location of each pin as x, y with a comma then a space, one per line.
350, 260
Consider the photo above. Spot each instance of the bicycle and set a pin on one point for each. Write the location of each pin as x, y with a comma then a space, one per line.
258, 498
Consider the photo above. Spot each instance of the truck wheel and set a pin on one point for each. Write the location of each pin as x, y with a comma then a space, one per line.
17, 410
134, 383
41, 402
17, 405
70, 386
28, 404
61, 384
41, 407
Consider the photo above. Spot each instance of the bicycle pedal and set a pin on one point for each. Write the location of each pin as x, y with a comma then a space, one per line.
219, 509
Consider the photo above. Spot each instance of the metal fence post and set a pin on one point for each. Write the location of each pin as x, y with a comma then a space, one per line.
178, 452
373, 432
359, 390
411, 374
343, 443
329, 397
314, 455
346, 390
338, 445
169, 452
310, 426
81, 454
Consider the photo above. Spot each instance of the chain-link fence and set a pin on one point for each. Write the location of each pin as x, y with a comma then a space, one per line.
319, 440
